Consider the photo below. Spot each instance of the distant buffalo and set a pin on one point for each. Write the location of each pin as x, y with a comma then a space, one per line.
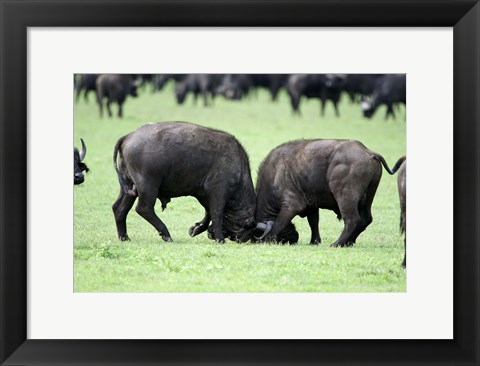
323, 87
272, 82
163, 79
203, 85
234, 86
78, 166
401, 166
299, 177
360, 85
85, 83
174, 159
115, 88
390, 90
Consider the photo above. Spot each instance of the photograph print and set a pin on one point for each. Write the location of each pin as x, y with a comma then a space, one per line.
239, 183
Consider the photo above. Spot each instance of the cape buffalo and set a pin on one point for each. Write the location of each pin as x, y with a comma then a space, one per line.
401, 166
78, 166
299, 177
318, 86
360, 85
234, 86
116, 88
389, 90
173, 159
85, 83
273, 82
198, 84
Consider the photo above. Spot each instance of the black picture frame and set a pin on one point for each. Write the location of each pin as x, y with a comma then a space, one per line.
17, 15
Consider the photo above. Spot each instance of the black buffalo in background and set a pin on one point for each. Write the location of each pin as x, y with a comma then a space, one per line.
174, 159
390, 90
272, 82
358, 86
115, 88
85, 83
234, 86
78, 165
161, 80
323, 87
299, 177
369, 91
203, 85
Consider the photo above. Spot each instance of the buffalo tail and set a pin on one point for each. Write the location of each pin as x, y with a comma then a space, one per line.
399, 163
384, 163
121, 179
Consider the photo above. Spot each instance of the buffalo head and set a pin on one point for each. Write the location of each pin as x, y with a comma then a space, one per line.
78, 166
133, 89
367, 107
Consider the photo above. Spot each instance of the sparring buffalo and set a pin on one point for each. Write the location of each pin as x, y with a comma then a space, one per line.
401, 166
78, 165
299, 177
172, 159
389, 90
116, 88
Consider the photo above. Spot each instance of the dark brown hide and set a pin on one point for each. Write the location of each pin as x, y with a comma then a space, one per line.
173, 159
299, 177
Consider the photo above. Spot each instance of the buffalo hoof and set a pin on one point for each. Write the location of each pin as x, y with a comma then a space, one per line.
124, 238
195, 230
220, 241
315, 242
167, 238
342, 245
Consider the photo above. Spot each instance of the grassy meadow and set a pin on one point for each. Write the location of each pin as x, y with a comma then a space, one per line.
148, 264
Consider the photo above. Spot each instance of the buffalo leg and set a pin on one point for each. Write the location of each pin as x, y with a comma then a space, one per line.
365, 220
120, 102
85, 95
390, 111
404, 263
205, 98
109, 110
100, 107
217, 207
120, 110
295, 102
79, 91
313, 219
337, 113
284, 217
200, 226
348, 199
120, 208
145, 208
323, 102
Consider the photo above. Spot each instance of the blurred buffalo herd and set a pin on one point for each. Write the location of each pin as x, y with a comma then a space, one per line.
369, 91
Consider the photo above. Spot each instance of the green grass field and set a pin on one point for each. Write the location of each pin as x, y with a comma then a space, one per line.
148, 264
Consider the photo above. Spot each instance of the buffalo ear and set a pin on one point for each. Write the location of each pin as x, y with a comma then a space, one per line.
249, 223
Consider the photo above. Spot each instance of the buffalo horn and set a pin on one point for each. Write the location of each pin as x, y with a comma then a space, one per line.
266, 229
83, 152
